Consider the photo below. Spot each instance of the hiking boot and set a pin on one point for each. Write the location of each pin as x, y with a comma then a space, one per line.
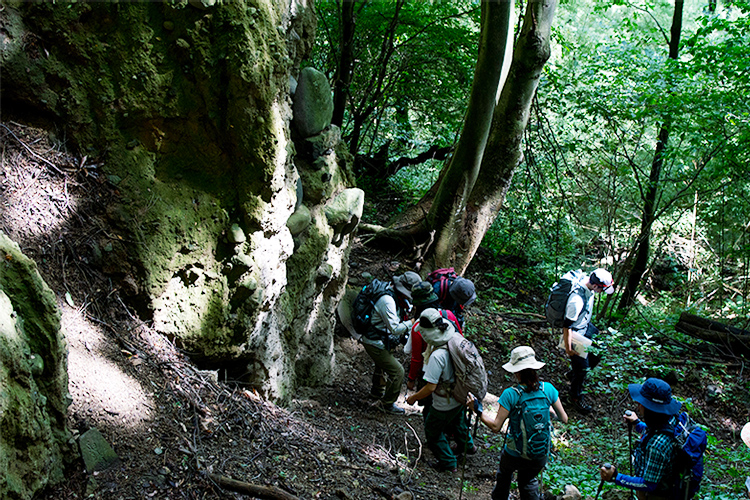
389, 408
581, 406
442, 467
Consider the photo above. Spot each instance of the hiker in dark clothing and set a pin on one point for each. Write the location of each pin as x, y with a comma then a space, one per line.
461, 294
388, 317
653, 457
577, 321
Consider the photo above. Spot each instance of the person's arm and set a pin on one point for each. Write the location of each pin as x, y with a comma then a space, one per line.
422, 393
560, 411
632, 482
573, 309
494, 424
386, 309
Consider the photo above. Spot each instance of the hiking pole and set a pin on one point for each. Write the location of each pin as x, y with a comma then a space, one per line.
463, 459
630, 449
601, 483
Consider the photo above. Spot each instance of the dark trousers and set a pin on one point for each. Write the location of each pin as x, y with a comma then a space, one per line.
580, 366
438, 425
388, 375
527, 472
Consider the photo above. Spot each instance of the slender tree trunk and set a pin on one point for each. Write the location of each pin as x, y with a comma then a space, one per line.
377, 86
462, 172
641, 253
459, 238
343, 77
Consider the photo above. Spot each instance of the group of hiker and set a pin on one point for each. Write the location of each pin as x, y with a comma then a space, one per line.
445, 378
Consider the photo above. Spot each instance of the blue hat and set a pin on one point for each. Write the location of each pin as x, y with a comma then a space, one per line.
655, 395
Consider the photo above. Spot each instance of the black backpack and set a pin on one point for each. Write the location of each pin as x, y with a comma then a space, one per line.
554, 309
363, 306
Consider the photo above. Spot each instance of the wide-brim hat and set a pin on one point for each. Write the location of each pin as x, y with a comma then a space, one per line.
521, 358
435, 336
745, 434
405, 282
655, 395
423, 293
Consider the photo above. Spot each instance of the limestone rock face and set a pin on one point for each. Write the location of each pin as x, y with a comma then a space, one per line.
33, 379
197, 128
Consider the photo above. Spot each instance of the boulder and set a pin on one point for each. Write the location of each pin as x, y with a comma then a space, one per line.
313, 103
344, 212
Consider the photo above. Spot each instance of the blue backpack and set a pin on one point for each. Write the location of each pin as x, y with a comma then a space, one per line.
530, 425
690, 445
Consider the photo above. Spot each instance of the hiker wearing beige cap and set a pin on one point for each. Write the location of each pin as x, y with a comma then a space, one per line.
528, 405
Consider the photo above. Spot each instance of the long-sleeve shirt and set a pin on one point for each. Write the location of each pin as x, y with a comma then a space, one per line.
386, 318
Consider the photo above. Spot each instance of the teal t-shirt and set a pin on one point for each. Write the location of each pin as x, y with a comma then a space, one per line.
508, 400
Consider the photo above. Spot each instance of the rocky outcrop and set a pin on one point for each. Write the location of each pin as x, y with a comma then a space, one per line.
221, 236
33, 379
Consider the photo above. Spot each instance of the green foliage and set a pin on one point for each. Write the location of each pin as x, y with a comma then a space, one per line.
415, 92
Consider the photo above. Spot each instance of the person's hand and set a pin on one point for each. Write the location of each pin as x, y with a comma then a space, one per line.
410, 385
607, 474
473, 403
411, 399
630, 417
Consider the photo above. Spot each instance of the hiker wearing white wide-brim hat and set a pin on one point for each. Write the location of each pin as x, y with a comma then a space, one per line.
526, 449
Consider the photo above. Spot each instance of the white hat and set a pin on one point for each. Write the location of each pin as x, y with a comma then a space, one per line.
745, 434
522, 357
603, 278
435, 330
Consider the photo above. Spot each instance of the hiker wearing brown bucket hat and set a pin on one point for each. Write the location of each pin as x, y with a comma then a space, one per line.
653, 456
526, 447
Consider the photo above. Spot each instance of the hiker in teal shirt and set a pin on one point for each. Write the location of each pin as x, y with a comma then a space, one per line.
520, 455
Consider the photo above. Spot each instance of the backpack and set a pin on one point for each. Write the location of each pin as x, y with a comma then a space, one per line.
530, 425
469, 371
456, 325
687, 466
554, 309
441, 280
364, 304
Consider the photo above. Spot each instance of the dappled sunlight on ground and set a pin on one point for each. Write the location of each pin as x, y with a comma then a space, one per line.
103, 392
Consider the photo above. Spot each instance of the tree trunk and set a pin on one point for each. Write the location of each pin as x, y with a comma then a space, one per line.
343, 77
475, 201
461, 174
641, 252
736, 340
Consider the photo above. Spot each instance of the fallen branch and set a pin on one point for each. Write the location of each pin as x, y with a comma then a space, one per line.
251, 489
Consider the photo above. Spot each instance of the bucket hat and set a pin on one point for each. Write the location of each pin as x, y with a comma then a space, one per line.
431, 324
603, 278
655, 395
745, 434
405, 282
422, 293
462, 291
522, 357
